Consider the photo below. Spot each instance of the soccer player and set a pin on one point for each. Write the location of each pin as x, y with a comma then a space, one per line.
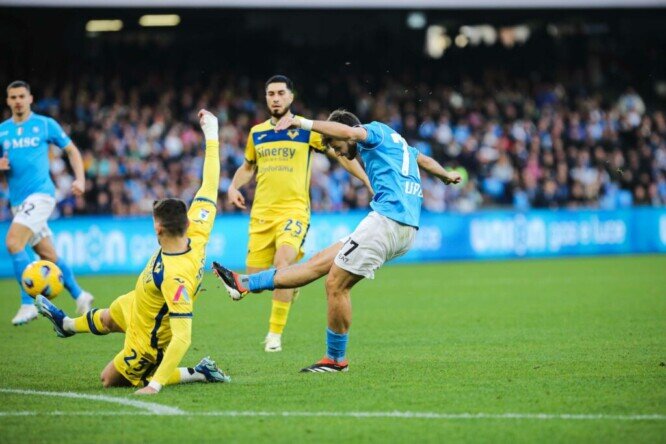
280, 215
386, 233
157, 315
24, 158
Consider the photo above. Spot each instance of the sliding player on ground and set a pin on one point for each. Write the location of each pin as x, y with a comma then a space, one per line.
157, 315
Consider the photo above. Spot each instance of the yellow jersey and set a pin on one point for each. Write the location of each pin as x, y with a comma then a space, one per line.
169, 283
160, 324
283, 169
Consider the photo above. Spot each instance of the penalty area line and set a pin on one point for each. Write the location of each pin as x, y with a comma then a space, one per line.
356, 415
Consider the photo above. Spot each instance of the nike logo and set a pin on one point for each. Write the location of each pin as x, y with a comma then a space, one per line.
261, 137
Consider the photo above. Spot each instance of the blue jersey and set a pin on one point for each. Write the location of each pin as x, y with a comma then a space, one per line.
27, 146
394, 174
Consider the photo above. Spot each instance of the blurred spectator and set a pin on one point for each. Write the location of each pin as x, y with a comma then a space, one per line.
521, 143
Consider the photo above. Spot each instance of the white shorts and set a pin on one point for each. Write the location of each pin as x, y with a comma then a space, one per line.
377, 239
33, 213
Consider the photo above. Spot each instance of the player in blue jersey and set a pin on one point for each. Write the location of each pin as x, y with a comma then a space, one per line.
386, 233
24, 158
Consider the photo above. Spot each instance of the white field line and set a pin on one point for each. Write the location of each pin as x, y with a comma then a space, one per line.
153, 409
361, 415
150, 407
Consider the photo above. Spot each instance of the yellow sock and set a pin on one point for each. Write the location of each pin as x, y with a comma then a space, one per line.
174, 378
90, 322
279, 313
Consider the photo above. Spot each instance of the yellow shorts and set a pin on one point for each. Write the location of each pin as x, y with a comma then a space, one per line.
121, 309
266, 236
137, 363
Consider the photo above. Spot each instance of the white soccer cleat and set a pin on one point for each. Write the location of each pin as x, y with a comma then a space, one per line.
26, 313
273, 343
84, 303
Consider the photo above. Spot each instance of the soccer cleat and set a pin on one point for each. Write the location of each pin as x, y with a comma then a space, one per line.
327, 365
211, 371
232, 282
84, 303
53, 314
26, 313
273, 343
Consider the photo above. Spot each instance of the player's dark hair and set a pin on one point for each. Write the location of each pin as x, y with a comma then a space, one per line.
345, 117
281, 79
18, 84
172, 215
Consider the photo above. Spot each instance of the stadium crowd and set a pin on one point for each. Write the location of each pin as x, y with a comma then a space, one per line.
520, 144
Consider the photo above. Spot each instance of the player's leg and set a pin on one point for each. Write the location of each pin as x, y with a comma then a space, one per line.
16, 240
338, 287
294, 276
375, 241
46, 250
97, 321
111, 377
205, 371
285, 256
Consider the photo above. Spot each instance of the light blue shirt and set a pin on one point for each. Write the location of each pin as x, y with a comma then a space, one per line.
27, 146
394, 174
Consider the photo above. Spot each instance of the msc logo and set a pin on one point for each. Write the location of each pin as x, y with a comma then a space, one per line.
23, 142
292, 134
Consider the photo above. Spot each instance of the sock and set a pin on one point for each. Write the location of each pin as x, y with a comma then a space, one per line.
68, 277
183, 375
279, 314
336, 345
264, 280
90, 322
21, 260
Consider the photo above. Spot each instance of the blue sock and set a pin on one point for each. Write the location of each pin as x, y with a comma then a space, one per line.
264, 280
336, 345
21, 260
68, 279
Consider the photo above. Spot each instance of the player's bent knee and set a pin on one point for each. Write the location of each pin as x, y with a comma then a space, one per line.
14, 245
333, 285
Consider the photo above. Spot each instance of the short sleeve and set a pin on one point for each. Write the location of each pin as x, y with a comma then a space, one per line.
375, 135
250, 154
202, 217
316, 142
56, 135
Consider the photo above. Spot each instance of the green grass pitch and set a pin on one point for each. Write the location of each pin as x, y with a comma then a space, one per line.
555, 337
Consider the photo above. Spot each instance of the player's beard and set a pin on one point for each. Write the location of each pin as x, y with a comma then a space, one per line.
278, 114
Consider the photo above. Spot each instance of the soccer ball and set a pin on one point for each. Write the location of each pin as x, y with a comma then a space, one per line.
42, 277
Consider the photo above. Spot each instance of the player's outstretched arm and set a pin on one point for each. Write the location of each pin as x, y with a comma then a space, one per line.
211, 169
431, 166
330, 129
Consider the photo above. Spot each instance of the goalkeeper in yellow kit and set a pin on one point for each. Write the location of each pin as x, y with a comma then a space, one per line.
157, 315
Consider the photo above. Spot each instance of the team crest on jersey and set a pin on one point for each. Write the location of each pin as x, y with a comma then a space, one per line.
181, 294
19, 131
35, 129
203, 214
292, 134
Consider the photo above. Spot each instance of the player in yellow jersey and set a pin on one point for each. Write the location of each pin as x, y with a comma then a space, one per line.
157, 315
280, 216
